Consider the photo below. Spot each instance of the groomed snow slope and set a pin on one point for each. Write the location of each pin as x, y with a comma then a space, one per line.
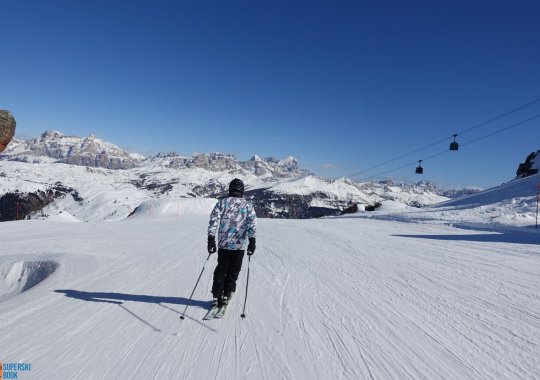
511, 205
340, 298
522, 188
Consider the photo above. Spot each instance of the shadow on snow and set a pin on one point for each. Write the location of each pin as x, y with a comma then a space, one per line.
119, 298
514, 238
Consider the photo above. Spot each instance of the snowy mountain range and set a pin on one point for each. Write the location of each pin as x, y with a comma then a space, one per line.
96, 180
55, 147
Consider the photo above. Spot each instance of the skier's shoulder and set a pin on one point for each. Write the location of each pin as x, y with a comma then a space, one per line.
220, 202
247, 203
249, 206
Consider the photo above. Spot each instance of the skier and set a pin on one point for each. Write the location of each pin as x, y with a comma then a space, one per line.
236, 220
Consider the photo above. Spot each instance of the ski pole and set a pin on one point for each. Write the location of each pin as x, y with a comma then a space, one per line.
243, 315
197, 283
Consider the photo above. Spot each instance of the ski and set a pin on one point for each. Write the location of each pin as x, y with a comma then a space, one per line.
211, 313
221, 312
217, 311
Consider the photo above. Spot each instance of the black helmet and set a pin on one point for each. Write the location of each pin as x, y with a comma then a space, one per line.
236, 186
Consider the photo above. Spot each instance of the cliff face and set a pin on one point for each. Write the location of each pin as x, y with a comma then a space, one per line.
18, 206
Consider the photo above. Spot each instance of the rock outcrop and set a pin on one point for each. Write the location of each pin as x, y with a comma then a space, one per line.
7, 128
18, 206
530, 166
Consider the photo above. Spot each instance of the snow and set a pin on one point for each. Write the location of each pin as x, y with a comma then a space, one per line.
449, 291
334, 298
112, 195
510, 205
175, 208
311, 184
65, 217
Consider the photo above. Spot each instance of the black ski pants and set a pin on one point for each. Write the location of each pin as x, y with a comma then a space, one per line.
227, 270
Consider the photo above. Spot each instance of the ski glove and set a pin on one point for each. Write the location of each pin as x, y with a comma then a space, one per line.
211, 244
251, 246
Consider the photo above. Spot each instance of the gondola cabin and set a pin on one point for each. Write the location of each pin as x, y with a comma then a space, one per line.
454, 145
419, 169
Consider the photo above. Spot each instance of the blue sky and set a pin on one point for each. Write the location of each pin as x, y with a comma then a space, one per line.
341, 85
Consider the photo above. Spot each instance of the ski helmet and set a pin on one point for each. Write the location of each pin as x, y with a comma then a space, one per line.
236, 186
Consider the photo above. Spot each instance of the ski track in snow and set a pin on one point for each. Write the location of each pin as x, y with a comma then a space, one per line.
334, 298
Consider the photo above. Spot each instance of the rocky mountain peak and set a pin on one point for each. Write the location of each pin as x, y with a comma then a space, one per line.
51, 135
221, 162
54, 146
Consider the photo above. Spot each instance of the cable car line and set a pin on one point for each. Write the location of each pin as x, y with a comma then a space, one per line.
499, 116
514, 125
503, 129
495, 118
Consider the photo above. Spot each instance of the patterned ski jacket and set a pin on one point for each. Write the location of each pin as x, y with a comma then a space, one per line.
236, 220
